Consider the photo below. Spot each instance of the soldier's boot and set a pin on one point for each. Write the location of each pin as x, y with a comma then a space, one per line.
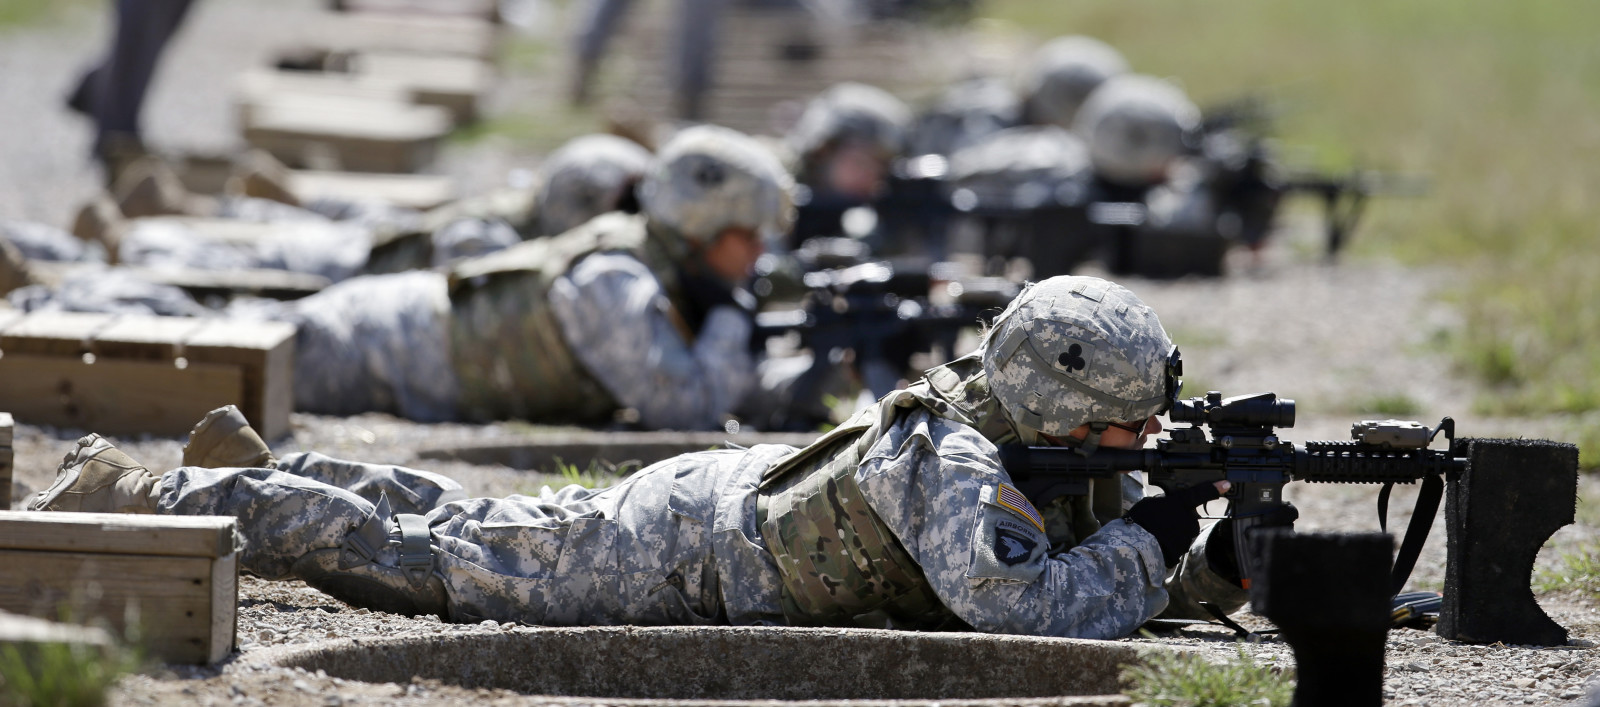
258, 174
149, 187
96, 477
225, 439
14, 270
385, 565
101, 221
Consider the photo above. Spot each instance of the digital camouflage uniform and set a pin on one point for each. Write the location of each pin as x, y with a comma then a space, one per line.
587, 176
683, 541
567, 328
901, 517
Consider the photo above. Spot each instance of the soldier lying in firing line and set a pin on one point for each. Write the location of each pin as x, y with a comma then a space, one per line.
637, 311
626, 311
901, 517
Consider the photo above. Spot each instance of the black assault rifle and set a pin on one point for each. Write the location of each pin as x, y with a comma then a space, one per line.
879, 316
1245, 450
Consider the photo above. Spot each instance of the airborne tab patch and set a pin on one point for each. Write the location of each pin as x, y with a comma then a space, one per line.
1013, 500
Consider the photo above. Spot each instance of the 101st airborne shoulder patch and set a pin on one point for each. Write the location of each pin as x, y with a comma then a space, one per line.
1009, 541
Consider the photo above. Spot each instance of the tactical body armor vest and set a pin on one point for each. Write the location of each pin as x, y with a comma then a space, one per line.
506, 344
841, 565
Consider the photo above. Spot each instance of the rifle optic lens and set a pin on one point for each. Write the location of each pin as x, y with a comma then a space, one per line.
1260, 410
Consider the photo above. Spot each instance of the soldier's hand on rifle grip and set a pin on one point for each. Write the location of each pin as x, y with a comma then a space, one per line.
1172, 518
1223, 557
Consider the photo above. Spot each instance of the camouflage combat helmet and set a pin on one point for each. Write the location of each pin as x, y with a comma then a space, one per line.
1076, 350
851, 112
586, 177
1136, 126
707, 179
1063, 73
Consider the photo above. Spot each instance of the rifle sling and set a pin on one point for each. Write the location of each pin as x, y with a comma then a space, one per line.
1428, 498
1383, 507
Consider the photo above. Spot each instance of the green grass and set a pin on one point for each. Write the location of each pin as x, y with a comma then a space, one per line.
1183, 680
539, 126
1494, 101
1579, 571
28, 13
597, 474
60, 674
1588, 441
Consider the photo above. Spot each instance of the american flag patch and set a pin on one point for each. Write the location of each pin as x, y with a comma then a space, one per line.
1013, 499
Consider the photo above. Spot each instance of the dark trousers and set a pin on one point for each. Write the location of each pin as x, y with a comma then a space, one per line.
112, 92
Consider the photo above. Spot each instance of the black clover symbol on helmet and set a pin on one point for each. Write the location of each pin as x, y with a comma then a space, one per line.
1072, 359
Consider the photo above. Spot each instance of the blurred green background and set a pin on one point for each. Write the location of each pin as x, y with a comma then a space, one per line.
1498, 102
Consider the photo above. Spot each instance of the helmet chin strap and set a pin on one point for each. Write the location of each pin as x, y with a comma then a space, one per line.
1092, 441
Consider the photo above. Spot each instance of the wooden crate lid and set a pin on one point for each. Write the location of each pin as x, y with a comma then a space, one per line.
137, 336
120, 533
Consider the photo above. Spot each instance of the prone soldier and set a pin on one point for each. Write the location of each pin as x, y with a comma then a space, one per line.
626, 311
902, 517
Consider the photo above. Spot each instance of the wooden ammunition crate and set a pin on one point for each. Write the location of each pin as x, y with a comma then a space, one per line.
413, 191
171, 582
313, 131
6, 455
119, 374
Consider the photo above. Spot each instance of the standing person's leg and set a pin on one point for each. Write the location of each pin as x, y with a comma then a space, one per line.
121, 81
597, 21
698, 22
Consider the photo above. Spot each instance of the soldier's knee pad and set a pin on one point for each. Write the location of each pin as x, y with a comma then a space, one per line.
404, 583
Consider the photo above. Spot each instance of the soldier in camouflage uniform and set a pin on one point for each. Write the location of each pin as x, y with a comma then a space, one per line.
1063, 74
627, 311
844, 144
587, 176
901, 517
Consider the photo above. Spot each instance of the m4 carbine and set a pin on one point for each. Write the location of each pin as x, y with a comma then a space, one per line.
1244, 449
881, 316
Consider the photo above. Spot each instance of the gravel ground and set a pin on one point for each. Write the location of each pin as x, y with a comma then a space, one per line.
1335, 338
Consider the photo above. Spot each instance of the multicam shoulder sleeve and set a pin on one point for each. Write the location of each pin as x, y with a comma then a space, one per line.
1193, 581
619, 324
940, 488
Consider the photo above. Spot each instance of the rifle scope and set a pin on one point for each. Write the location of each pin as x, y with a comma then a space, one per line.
1258, 410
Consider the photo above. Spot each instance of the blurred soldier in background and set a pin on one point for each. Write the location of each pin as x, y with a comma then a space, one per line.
584, 178
963, 114
902, 517
112, 92
588, 176
642, 312
1137, 127
638, 312
845, 143
1062, 75
1020, 193
1057, 79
